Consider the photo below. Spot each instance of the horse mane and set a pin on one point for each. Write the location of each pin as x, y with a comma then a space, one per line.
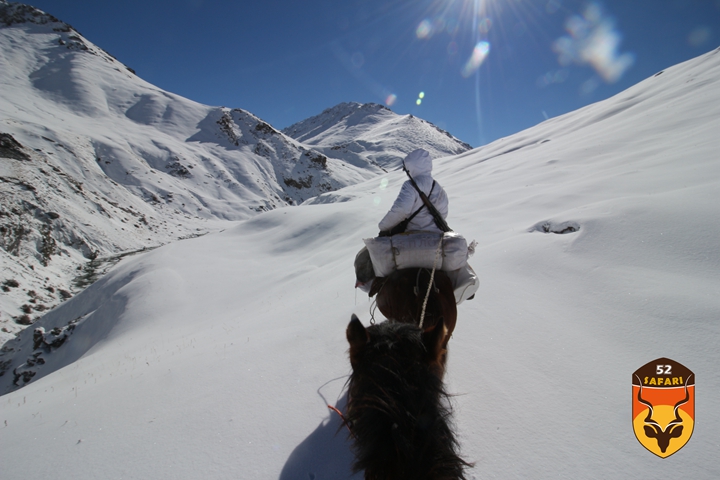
401, 296
398, 409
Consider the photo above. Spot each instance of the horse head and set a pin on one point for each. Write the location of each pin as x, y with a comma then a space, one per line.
397, 406
366, 342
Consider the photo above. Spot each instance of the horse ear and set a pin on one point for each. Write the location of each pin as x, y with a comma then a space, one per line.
356, 334
433, 341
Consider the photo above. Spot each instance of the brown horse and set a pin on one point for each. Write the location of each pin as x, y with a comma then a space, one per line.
397, 407
401, 295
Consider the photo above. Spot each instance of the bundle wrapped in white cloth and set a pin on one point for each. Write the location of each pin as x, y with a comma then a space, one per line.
443, 251
417, 250
465, 283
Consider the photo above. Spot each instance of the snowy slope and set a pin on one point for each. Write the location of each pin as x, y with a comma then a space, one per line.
215, 357
370, 135
96, 163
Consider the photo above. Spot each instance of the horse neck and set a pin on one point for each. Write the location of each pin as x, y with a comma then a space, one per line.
398, 410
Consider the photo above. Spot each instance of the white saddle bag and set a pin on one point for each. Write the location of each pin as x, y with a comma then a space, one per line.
417, 250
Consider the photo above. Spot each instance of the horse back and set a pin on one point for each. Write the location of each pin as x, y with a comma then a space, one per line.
402, 294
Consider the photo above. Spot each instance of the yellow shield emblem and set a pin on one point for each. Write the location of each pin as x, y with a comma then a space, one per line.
663, 407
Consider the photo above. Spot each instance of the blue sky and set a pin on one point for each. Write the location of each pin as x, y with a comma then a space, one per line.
480, 69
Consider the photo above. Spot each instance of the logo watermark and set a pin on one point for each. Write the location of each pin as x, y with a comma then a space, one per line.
663, 406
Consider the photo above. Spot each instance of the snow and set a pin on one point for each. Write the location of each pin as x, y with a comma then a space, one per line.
216, 357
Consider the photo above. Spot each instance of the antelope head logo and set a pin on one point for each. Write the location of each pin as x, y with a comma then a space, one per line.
654, 429
663, 406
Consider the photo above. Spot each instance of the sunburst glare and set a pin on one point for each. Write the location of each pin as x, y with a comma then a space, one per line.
468, 24
456, 18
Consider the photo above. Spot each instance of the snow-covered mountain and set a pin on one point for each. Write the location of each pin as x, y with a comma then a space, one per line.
369, 135
97, 163
216, 357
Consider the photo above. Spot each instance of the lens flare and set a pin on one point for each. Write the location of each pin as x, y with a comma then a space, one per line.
480, 53
549, 78
424, 30
700, 35
484, 26
594, 41
390, 99
589, 86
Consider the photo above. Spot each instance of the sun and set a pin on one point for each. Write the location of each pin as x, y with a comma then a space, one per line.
465, 25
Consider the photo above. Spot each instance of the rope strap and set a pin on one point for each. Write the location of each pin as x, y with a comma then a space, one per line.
430, 283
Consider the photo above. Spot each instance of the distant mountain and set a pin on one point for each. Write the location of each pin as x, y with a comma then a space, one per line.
371, 135
96, 163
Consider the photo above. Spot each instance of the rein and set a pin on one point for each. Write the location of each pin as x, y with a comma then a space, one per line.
344, 420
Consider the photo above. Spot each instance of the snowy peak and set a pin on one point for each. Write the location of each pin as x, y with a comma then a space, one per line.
372, 136
351, 114
12, 13
18, 13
